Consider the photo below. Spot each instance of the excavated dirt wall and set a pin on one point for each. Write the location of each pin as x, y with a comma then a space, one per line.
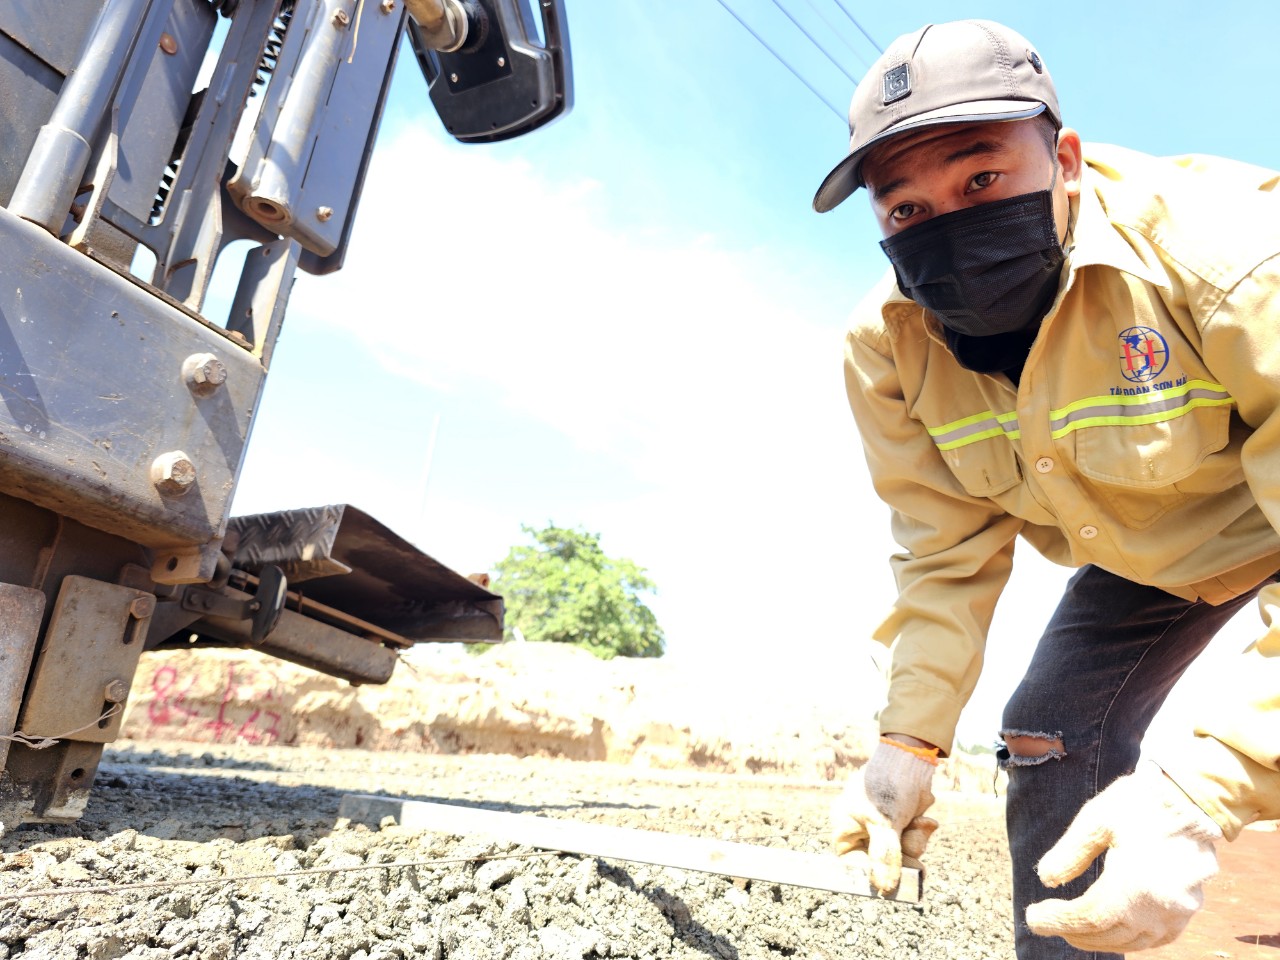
530, 699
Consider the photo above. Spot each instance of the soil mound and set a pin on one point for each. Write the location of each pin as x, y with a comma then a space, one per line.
528, 699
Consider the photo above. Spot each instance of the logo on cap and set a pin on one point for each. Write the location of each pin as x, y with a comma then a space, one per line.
897, 83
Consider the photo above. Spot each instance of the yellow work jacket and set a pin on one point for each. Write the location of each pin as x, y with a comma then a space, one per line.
1143, 435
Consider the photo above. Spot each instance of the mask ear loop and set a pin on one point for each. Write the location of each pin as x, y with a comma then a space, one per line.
1069, 242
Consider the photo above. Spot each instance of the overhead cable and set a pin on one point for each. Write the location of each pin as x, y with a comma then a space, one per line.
854, 21
759, 39
812, 39
841, 37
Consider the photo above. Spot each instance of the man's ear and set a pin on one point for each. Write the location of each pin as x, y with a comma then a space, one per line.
1070, 159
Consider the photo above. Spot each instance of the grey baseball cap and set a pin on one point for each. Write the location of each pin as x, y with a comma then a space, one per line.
966, 71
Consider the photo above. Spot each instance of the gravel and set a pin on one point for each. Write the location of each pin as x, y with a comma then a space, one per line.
178, 818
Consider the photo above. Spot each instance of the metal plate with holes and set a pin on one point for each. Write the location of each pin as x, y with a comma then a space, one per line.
94, 639
92, 393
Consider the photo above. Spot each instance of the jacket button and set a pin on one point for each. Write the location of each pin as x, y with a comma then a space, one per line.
1044, 464
1088, 532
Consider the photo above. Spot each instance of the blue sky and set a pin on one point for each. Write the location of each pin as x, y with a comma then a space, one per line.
631, 320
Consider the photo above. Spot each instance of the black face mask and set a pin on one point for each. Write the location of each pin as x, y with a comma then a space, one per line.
986, 270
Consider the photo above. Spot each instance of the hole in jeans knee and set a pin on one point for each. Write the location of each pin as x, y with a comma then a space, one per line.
1029, 748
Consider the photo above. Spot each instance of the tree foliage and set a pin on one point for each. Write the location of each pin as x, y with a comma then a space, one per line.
564, 589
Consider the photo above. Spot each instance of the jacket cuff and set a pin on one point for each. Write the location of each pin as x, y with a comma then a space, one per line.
1227, 785
923, 712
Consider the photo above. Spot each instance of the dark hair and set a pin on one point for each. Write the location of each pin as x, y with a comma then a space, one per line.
1048, 132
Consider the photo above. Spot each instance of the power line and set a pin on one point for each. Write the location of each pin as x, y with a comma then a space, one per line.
812, 39
832, 27
853, 20
759, 39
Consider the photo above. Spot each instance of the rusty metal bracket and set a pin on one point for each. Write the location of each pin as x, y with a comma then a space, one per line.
20, 611
87, 661
263, 609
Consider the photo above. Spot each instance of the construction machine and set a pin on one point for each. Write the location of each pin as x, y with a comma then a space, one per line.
139, 140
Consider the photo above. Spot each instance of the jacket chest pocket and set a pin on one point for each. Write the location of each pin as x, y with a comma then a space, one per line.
985, 467
1144, 470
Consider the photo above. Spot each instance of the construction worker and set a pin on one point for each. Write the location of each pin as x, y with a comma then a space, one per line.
1081, 346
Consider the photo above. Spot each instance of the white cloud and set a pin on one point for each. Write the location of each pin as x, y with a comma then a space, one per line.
660, 348
646, 344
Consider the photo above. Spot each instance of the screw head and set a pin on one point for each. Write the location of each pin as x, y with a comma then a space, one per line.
502, 61
169, 43
115, 691
324, 213
453, 78
388, 5
173, 473
340, 19
204, 373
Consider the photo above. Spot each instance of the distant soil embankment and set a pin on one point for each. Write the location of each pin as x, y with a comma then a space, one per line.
527, 699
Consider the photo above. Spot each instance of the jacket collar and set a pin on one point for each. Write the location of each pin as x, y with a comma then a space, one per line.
1099, 242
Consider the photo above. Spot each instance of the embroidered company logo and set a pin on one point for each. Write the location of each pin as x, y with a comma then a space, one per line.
1143, 354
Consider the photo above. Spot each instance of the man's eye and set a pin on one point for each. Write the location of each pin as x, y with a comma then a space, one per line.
903, 211
982, 180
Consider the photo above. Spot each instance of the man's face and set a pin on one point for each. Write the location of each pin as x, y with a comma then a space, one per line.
918, 176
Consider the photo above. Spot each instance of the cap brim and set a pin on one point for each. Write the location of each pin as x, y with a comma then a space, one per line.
846, 176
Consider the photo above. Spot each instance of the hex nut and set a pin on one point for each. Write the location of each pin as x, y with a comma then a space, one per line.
116, 691
142, 607
173, 473
203, 373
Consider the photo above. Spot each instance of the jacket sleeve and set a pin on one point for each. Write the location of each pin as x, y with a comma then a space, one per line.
1232, 768
958, 551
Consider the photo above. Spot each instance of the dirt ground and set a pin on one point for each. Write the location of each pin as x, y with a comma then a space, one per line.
223, 839
177, 817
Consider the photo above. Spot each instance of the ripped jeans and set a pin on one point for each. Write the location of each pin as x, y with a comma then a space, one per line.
1107, 660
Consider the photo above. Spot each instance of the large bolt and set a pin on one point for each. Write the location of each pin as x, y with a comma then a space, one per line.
340, 19
204, 373
173, 473
142, 607
116, 691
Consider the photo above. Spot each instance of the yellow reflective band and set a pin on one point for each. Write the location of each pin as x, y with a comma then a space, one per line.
1142, 418
1137, 399
970, 421
961, 433
974, 438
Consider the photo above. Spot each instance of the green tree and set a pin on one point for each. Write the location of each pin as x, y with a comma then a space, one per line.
563, 589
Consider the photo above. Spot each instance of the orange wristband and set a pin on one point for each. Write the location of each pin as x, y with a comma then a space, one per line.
927, 754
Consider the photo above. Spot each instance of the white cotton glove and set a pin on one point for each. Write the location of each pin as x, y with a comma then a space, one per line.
878, 815
1159, 851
